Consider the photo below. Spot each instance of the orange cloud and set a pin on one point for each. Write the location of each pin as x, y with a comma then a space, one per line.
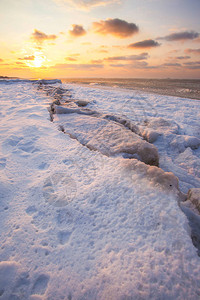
88, 4
97, 61
115, 27
194, 51
77, 31
30, 57
78, 66
70, 58
40, 37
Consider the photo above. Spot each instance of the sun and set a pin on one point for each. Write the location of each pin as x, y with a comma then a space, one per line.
38, 61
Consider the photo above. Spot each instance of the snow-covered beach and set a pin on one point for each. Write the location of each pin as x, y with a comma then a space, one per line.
88, 210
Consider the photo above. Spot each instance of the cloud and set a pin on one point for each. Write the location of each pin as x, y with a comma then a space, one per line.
135, 65
141, 56
182, 57
77, 30
195, 51
171, 65
139, 65
116, 27
144, 44
78, 66
180, 36
96, 61
191, 63
1, 60
193, 66
70, 58
117, 65
102, 51
40, 37
88, 4
30, 57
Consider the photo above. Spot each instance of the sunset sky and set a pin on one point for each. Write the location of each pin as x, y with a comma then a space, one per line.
100, 38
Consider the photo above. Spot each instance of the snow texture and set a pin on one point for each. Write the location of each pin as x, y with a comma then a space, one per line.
77, 224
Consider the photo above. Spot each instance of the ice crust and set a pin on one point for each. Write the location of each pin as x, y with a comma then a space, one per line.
108, 138
194, 197
76, 224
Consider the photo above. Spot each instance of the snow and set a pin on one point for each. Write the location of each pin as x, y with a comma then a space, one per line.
79, 224
194, 197
107, 137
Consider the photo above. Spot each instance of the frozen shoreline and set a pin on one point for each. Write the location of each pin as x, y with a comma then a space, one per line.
169, 87
111, 233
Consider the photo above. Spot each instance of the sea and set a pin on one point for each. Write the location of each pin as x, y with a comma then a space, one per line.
184, 88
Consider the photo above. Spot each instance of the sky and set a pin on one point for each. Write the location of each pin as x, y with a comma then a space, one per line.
99, 38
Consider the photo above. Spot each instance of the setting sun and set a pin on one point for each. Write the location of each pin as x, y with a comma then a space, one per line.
37, 61
123, 39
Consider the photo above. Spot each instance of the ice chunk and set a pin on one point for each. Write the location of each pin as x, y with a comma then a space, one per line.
194, 197
69, 110
109, 138
82, 102
150, 135
180, 142
157, 177
163, 125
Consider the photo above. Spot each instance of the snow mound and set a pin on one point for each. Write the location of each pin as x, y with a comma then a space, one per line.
181, 142
109, 138
162, 125
150, 135
167, 181
194, 197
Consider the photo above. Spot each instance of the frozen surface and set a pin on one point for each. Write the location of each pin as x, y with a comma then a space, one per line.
171, 123
107, 137
77, 224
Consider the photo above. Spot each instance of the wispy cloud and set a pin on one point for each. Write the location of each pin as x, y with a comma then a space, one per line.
77, 30
78, 66
144, 44
97, 61
116, 27
182, 57
180, 36
194, 51
171, 65
141, 56
192, 63
87, 4
70, 58
40, 37
117, 65
30, 57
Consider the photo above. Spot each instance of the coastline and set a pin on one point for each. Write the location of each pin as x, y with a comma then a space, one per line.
183, 88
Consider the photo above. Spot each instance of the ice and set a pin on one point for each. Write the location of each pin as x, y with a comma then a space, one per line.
163, 126
78, 224
194, 197
107, 137
180, 143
